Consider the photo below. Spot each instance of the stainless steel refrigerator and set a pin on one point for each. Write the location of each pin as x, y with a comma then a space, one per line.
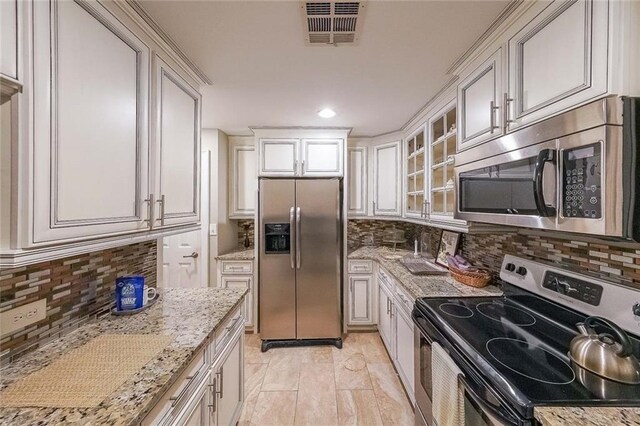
300, 262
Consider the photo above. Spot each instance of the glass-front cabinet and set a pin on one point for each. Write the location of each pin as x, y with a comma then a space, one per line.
442, 141
416, 165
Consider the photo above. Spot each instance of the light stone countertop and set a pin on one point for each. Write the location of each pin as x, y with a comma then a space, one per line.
445, 286
189, 316
238, 255
587, 416
421, 285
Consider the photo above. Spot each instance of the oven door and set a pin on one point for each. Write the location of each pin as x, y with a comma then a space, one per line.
518, 188
482, 407
422, 373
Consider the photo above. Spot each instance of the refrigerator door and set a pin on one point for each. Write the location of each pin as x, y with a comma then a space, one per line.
277, 270
318, 258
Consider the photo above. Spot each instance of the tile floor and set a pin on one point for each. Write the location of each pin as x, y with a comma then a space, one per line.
323, 385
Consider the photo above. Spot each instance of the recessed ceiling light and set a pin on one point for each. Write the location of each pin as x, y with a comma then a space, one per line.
327, 113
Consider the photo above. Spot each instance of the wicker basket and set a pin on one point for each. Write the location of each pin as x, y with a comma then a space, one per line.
477, 279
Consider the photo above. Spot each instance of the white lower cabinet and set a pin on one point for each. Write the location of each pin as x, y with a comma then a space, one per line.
361, 300
239, 274
211, 390
385, 319
396, 328
404, 350
229, 389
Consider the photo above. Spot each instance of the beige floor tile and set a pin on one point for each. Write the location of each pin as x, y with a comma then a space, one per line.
351, 372
283, 372
253, 376
372, 347
252, 339
319, 355
395, 408
316, 403
274, 408
358, 407
252, 355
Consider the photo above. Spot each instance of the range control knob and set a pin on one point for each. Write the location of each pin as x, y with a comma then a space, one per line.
510, 267
636, 309
521, 271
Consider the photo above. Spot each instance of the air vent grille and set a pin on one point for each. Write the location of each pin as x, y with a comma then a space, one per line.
332, 23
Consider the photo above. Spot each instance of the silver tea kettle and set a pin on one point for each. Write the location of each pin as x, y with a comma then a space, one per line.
603, 354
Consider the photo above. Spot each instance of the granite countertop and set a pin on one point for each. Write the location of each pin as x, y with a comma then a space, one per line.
587, 416
238, 255
188, 316
420, 285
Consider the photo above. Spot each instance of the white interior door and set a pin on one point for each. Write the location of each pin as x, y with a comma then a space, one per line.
185, 257
182, 262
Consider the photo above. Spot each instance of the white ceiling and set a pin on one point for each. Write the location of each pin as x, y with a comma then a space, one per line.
264, 75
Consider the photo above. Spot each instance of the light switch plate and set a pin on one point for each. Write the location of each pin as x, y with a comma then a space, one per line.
22, 316
213, 229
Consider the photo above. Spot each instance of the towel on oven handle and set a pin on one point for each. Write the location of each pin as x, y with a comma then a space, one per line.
448, 396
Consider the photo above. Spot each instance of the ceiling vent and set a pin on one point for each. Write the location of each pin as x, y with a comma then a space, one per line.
332, 23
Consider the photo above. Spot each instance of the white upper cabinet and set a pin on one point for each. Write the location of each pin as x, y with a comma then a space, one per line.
322, 157
558, 60
357, 186
386, 179
176, 148
10, 22
90, 108
243, 179
414, 172
279, 157
300, 156
479, 103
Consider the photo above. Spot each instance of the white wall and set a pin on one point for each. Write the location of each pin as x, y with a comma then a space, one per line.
217, 143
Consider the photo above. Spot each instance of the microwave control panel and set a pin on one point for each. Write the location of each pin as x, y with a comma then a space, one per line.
582, 182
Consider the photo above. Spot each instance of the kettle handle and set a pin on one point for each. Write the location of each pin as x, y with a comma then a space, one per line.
626, 348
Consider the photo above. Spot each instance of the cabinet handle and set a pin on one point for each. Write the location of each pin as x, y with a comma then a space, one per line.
492, 109
213, 389
388, 306
150, 203
175, 399
506, 100
374, 207
427, 210
221, 379
302, 168
295, 167
161, 202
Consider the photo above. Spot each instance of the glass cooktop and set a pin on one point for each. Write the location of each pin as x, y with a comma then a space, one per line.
522, 351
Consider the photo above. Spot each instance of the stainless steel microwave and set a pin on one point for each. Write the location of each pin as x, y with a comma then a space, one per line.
576, 172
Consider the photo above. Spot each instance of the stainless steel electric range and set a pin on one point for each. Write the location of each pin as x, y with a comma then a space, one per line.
513, 350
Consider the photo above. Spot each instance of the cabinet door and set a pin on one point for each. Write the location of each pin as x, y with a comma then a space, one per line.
231, 281
90, 141
404, 350
361, 300
278, 157
10, 22
479, 103
176, 148
385, 320
386, 179
322, 157
230, 394
243, 182
197, 412
357, 176
558, 60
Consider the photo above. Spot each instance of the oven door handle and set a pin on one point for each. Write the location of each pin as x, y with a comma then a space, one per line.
545, 156
503, 415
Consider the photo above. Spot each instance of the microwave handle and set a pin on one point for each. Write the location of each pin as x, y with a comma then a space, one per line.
545, 156
504, 416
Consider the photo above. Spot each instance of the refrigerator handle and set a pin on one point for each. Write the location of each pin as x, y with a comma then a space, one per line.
291, 230
298, 219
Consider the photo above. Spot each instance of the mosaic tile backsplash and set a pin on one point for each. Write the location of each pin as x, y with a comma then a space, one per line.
77, 289
619, 263
249, 225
